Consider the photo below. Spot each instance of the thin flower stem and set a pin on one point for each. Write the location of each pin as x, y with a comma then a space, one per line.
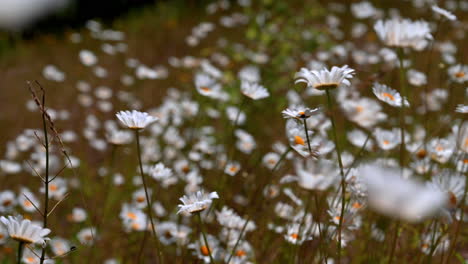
200, 222
395, 240
402, 109
238, 239
20, 252
307, 135
148, 201
343, 178
46, 177
402, 133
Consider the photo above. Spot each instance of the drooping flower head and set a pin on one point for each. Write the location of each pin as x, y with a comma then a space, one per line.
325, 79
135, 119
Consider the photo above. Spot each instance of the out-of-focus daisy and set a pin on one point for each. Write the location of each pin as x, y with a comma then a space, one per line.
28, 201
196, 202
325, 79
450, 183
299, 113
364, 111
135, 119
87, 236
23, 231
388, 95
119, 137
404, 33
316, 174
133, 218
441, 149
78, 215
387, 139
7, 201
444, 13
458, 73
416, 78
254, 90
462, 109
88, 58
59, 246
394, 196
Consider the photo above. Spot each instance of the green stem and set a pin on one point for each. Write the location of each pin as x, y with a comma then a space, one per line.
238, 239
343, 178
307, 135
20, 252
395, 240
46, 176
148, 200
200, 222
402, 111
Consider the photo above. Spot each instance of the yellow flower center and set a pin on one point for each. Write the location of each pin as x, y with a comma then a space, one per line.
131, 215
205, 89
460, 74
389, 96
299, 141
205, 250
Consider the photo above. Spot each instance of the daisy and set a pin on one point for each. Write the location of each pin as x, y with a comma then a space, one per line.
160, 172
388, 95
441, 149
206, 85
458, 73
232, 168
7, 201
23, 231
444, 13
88, 58
298, 113
87, 236
254, 90
462, 109
196, 202
394, 196
404, 33
316, 174
387, 139
135, 119
325, 79
452, 184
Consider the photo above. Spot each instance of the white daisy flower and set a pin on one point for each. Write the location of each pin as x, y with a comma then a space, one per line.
135, 119
298, 113
462, 109
196, 202
394, 196
87, 236
22, 230
325, 79
388, 95
160, 172
458, 73
88, 58
387, 139
404, 33
254, 90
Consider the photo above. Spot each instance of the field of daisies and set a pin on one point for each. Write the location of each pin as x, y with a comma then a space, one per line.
240, 132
